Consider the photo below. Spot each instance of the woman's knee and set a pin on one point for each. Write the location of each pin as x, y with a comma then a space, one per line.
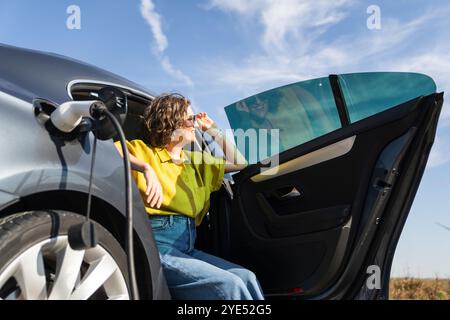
231, 286
246, 275
251, 282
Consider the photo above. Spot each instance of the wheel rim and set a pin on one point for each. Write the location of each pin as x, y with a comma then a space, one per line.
52, 270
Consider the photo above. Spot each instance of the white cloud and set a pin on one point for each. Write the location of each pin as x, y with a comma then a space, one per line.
169, 68
294, 45
291, 47
440, 153
295, 18
283, 18
240, 6
153, 19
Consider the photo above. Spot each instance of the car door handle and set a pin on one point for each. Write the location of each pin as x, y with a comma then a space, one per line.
293, 193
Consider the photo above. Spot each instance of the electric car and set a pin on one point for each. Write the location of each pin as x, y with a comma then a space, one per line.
316, 216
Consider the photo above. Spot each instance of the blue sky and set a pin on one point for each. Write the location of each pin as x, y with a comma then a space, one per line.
218, 51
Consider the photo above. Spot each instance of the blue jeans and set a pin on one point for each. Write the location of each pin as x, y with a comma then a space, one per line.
195, 275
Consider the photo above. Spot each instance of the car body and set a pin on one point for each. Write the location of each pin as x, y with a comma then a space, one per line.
318, 226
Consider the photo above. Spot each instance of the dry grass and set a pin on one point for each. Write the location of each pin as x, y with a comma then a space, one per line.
419, 289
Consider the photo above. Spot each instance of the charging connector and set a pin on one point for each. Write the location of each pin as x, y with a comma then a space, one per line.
69, 114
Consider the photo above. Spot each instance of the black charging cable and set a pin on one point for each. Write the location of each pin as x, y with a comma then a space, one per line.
94, 150
128, 205
83, 236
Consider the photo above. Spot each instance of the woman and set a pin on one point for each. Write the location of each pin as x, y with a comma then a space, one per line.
176, 186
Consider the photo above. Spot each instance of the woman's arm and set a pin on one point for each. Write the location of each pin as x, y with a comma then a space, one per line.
154, 189
235, 160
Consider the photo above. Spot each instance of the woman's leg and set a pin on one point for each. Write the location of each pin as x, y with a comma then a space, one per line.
191, 279
247, 276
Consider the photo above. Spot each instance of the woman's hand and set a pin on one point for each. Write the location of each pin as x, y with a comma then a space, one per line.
204, 122
154, 191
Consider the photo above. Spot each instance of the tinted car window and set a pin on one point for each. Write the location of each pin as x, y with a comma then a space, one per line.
306, 110
300, 112
366, 94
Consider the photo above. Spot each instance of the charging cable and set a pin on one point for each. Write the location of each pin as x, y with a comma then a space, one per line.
128, 206
81, 237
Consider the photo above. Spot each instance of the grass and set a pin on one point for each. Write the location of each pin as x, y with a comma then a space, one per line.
419, 289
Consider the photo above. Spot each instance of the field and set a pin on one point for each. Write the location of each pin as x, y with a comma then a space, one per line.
419, 289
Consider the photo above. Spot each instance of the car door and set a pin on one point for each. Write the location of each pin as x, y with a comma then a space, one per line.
318, 215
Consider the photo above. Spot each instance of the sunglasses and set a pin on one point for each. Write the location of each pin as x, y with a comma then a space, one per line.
191, 119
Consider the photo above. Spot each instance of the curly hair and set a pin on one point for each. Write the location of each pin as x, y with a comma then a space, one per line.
163, 116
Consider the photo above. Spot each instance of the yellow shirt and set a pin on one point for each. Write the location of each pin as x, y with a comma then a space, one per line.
187, 186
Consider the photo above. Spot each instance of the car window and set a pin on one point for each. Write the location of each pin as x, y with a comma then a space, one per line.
295, 113
366, 94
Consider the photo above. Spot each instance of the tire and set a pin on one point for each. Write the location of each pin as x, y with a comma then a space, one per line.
37, 263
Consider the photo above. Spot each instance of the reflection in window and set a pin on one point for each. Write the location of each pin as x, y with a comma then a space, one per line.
306, 110
300, 112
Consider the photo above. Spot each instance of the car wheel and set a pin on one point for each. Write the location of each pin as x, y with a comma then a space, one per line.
37, 262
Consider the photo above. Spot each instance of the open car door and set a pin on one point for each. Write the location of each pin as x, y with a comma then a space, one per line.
319, 214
